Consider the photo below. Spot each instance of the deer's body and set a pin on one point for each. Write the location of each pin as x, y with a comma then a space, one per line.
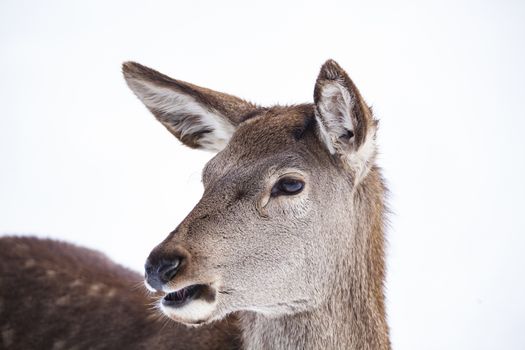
55, 295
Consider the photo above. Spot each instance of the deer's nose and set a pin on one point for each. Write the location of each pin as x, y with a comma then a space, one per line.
158, 273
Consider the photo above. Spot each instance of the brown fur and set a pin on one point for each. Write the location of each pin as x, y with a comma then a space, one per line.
54, 295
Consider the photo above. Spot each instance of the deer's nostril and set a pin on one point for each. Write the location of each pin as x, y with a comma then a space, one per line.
168, 270
162, 272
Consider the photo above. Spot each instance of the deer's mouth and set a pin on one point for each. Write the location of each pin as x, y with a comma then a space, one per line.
192, 305
185, 295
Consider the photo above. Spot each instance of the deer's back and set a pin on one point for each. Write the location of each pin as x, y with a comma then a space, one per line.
54, 295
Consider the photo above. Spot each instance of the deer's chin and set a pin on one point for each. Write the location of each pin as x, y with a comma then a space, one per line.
191, 305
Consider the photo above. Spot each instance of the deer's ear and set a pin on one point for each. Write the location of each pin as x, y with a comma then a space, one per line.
198, 117
345, 122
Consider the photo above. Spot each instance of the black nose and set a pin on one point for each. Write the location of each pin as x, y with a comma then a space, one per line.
158, 273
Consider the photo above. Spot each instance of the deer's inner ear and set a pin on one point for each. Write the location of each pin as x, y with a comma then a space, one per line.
345, 123
190, 121
198, 117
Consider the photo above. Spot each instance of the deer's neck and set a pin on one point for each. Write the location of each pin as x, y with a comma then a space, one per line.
352, 315
349, 322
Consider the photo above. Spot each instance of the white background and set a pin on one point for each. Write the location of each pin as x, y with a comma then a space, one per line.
82, 160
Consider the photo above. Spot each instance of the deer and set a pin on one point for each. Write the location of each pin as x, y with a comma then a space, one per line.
56, 295
289, 232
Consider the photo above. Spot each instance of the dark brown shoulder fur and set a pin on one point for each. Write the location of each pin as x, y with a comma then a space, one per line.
54, 295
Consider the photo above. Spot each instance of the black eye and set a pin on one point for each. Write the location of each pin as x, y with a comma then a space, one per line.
287, 187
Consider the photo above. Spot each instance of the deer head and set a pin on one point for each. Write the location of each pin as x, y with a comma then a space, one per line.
284, 198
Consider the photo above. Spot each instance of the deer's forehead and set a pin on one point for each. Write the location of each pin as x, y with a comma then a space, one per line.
273, 131
273, 140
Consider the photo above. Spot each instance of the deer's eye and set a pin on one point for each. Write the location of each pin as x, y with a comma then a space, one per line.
287, 187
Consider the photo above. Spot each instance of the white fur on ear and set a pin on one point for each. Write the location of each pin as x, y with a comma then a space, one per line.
336, 128
184, 116
362, 159
335, 106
